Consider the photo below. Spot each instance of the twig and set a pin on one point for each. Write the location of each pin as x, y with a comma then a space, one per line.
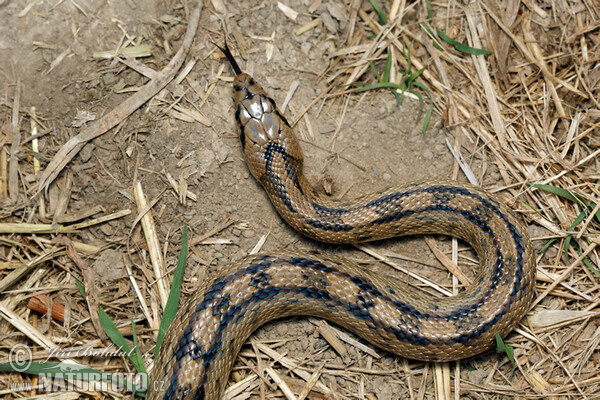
122, 111
13, 166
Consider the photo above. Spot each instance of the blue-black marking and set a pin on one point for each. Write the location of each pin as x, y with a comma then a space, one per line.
266, 291
325, 225
273, 178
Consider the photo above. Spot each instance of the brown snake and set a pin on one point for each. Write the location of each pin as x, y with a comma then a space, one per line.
208, 331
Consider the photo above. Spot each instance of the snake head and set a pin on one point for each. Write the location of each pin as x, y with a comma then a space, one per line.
261, 126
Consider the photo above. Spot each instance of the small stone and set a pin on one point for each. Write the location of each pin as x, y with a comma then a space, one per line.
109, 78
107, 229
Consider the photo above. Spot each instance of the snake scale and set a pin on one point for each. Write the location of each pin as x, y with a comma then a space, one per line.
207, 333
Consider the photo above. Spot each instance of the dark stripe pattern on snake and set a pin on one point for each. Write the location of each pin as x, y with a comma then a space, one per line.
209, 330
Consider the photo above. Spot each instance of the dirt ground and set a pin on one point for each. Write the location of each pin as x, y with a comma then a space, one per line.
47, 48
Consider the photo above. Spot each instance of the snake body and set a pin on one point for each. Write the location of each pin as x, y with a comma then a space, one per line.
208, 331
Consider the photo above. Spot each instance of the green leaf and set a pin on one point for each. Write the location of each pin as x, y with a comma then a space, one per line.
586, 261
428, 29
136, 348
547, 244
429, 10
173, 300
573, 225
591, 267
561, 192
398, 98
503, 347
427, 118
537, 212
388, 68
592, 206
115, 336
421, 101
463, 48
81, 288
446, 38
374, 70
411, 79
379, 11
138, 353
422, 87
379, 85
576, 222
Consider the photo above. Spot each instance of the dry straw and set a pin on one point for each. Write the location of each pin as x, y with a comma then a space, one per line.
528, 111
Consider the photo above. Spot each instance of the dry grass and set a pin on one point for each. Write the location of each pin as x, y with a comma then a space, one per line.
529, 112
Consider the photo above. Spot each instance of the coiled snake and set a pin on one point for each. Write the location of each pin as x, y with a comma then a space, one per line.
208, 331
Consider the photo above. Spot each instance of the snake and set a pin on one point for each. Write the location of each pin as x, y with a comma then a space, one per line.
208, 331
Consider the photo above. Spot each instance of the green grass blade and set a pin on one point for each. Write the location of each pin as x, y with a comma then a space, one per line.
429, 31
398, 97
379, 85
537, 212
374, 70
411, 79
117, 338
547, 244
388, 68
423, 88
561, 192
427, 118
503, 347
463, 48
592, 206
446, 38
379, 11
136, 348
591, 267
81, 288
174, 294
421, 101
429, 10
576, 222
406, 53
